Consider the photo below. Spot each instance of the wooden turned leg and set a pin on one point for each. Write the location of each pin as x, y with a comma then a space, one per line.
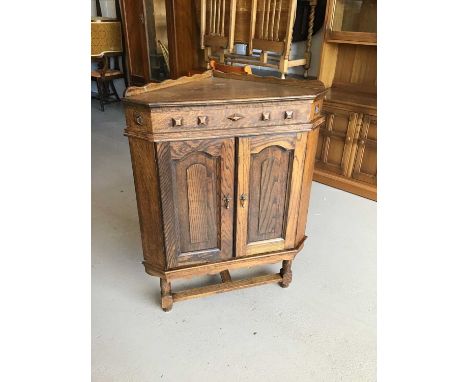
100, 93
166, 296
286, 273
114, 90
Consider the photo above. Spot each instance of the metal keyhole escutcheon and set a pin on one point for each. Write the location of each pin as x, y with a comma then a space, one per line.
243, 198
227, 200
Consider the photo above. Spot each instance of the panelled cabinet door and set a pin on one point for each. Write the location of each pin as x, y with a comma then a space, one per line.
334, 150
197, 191
365, 162
270, 172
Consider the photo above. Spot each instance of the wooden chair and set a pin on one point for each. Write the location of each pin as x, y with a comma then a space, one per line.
106, 44
217, 22
105, 76
271, 27
230, 68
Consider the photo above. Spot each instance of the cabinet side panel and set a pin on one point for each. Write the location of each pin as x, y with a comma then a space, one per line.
148, 200
309, 165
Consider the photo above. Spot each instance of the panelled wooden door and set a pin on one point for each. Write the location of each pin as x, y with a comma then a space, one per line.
335, 144
268, 192
134, 21
365, 162
197, 191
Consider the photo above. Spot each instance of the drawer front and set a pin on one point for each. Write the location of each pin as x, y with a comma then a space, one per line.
230, 116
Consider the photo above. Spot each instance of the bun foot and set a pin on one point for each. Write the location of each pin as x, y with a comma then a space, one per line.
286, 273
166, 296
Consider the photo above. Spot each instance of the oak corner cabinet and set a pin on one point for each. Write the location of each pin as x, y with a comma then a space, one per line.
223, 167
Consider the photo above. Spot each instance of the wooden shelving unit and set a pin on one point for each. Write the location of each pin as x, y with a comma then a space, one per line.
346, 156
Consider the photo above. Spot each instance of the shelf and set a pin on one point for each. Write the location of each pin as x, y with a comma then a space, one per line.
359, 38
337, 41
352, 97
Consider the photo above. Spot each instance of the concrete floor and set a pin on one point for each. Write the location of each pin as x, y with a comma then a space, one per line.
321, 328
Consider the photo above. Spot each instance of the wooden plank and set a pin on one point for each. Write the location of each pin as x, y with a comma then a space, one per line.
295, 190
216, 41
346, 184
253, 18
225, 287
219, 133
146, 179
232, 26
289, 28
309, 164
269, 46
243, 161
298, 62
240, 262
203, 24
170, 220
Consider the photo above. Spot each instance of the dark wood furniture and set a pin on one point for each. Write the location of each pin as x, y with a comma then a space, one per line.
174, 23
105, 76
347, 149
223, 168
106, 50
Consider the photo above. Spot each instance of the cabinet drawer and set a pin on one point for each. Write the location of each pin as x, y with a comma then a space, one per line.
220, 117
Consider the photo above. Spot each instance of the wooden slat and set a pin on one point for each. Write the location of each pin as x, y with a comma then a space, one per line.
203, 24
243, 160
271, 46
298, 62
267, 23
223, 13
211, 16
218, 17
263, 20
170, 220
289, 28
278, 21
295, 190
232, 25
225, 287
253, 20
216, 41
272, 24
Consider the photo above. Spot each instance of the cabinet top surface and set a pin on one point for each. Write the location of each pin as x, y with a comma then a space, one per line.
219, 88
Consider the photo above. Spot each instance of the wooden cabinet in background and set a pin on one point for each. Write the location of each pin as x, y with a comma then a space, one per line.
347, 153
346, 156
223, 167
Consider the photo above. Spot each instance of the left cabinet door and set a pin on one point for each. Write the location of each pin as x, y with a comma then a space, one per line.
197, 192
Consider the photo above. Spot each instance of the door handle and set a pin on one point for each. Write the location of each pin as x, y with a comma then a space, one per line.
243, 198
227, 200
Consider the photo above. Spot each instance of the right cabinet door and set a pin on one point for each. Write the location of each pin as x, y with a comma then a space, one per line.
365, 162
269, 183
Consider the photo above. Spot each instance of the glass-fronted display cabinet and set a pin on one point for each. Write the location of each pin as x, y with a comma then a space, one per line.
353, 22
